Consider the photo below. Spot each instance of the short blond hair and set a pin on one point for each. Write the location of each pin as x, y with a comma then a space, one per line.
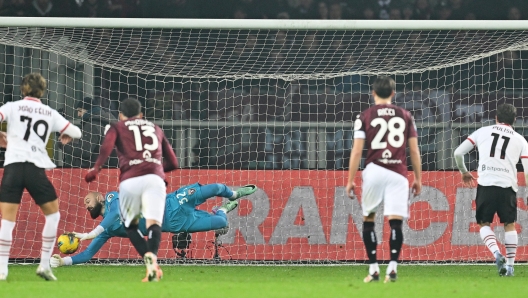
33, 85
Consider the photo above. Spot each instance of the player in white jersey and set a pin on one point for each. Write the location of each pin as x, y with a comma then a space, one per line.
29, 124
500, 147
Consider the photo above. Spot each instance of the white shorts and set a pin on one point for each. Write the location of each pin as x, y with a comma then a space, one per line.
383, 185
142, 196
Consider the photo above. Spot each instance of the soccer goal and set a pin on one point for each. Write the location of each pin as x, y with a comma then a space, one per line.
272, 102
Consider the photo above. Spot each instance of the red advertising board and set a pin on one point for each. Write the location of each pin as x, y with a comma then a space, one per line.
295, 215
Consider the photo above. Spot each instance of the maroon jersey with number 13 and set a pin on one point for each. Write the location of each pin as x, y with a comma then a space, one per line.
386, 129
140, 147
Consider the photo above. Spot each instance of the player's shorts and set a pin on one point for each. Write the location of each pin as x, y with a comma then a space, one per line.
25, 175
494, 199
142, 196
383, 185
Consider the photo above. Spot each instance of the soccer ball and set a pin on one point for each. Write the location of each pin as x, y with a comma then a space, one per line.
67, 243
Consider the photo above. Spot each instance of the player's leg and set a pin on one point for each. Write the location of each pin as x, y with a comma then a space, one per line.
9, 213
10, 196
214, 190
372, 196
486, 209
510, 242
507, 212
153, 208
44, 195
130, 210
396, 209
221, 190
204, 221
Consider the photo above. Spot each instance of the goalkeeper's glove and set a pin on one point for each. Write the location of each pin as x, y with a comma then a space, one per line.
56, 261
81, 236
87, 236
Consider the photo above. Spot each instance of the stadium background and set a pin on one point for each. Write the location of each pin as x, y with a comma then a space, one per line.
300, 166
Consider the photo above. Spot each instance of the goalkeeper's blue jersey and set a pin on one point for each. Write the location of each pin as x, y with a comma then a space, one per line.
177, 217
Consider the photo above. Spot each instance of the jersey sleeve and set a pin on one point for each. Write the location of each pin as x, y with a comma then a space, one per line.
473, 138
5, 110
524, 150
92, 249
112, 216
59, 122
359, 127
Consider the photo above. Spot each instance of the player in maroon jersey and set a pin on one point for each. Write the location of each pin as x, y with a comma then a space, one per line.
385, 130
140, 147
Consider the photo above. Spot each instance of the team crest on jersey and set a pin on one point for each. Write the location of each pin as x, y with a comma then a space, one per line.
191, 191
109, 197
386, 154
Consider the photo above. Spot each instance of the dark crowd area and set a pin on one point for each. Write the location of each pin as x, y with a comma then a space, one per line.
272, 9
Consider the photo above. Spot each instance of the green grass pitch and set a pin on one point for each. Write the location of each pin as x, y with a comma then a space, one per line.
266, 281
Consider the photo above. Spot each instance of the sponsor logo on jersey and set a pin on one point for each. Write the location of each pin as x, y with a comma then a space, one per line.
109, 197
389, 161
386, 154
147, 157
494, 169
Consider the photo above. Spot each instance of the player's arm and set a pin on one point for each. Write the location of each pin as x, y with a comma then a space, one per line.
416, 162
170, 162
111, 216
104, 152
524, 160
4, 112
355, 158
462, 150
67, 130
83, 257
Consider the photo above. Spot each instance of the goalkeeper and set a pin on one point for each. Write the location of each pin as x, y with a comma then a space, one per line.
181, 215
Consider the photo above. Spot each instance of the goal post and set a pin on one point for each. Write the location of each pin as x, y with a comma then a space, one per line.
272, 103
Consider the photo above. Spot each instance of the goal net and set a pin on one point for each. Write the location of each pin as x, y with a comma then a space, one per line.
272, 103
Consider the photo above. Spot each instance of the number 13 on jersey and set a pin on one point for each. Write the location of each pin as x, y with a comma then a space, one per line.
147, 131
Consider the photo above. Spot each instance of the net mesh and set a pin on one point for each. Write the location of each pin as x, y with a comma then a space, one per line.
274, 108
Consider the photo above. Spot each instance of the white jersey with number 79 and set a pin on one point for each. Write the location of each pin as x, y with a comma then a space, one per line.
500, 147
30, 123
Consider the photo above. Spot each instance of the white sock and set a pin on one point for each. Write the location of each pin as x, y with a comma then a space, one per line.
393, 266
510, 241
374, 268
6, 239
49, 234
487, 235
234, 196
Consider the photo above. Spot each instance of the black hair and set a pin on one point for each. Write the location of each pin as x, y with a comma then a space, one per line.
130, 107
384, 86
506, 113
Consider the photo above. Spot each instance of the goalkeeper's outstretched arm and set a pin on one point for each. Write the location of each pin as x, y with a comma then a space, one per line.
83, 257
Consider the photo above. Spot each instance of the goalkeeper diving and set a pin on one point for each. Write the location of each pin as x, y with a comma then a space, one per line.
181, 215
